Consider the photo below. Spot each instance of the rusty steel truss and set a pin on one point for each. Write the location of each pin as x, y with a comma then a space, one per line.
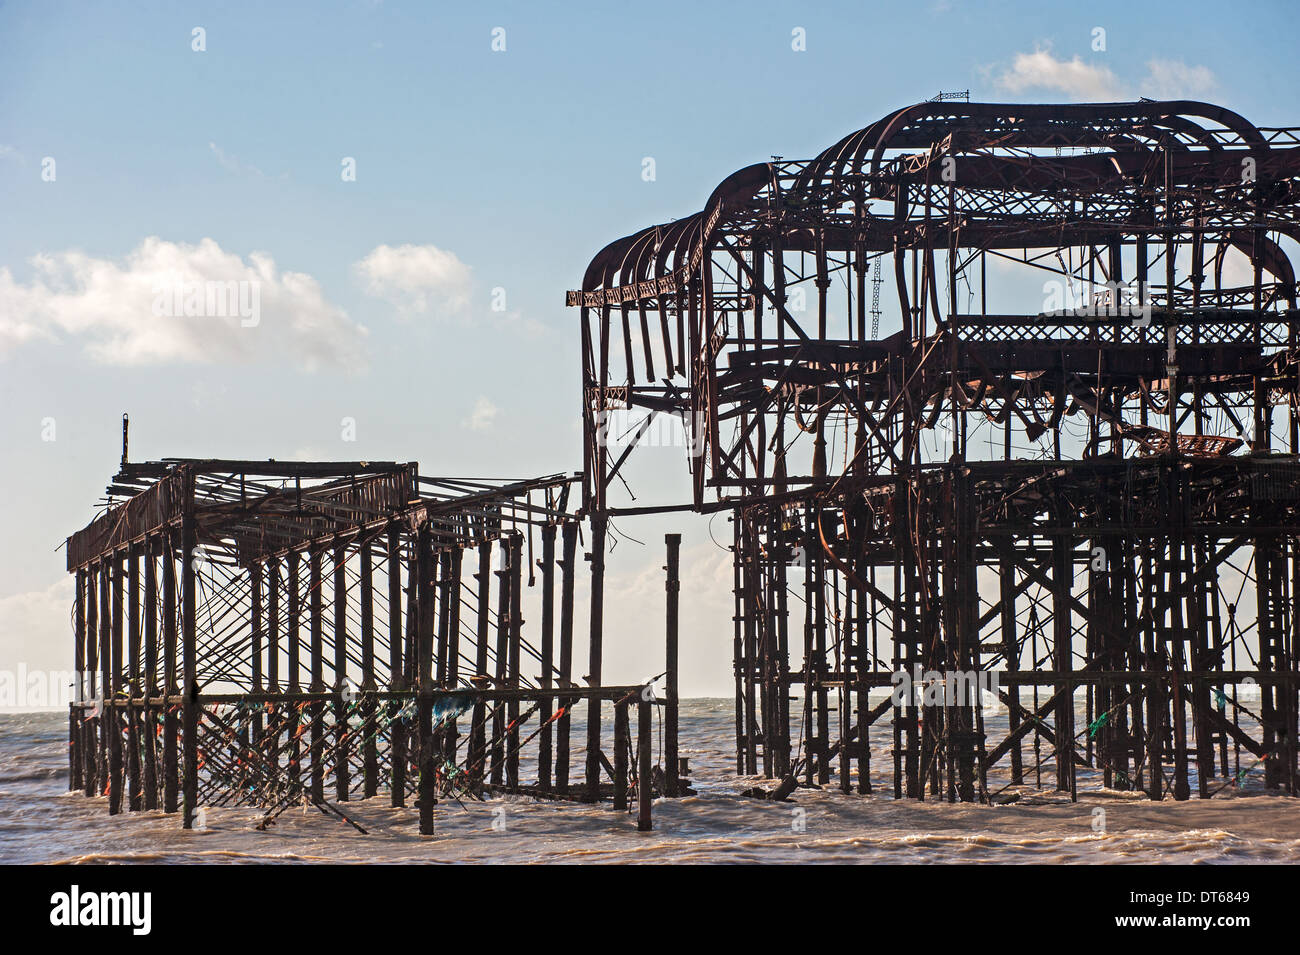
1070, 456
267, 634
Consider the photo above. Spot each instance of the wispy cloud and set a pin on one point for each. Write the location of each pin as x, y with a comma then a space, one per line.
34, 627
234, 164
1174, 79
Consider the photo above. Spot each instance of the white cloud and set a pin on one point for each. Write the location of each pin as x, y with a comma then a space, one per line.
36, 630
706, 575
1078, 80
634, 611
483, 415
416, 278
123, 313
1174, 79
1083, 81
9, 152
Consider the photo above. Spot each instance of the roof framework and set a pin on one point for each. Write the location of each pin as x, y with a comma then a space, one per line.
1071, 455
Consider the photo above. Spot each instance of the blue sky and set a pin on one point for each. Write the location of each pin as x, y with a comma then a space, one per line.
476, 170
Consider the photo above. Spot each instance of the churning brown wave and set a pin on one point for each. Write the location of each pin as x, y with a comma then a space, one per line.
41, 822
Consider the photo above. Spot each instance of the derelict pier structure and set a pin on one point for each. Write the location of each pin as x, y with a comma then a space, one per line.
987, 387
982, 388
269, 634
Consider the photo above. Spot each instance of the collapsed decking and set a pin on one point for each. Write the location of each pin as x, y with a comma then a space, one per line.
260, 633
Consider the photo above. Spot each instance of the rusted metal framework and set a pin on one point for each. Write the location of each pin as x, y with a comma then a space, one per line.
1070, 456
264, 634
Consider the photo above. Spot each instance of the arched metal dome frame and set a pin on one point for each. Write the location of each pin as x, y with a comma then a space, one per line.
1152, 419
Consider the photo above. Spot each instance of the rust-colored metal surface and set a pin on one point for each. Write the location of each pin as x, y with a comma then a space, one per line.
1072, 460
267, 634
